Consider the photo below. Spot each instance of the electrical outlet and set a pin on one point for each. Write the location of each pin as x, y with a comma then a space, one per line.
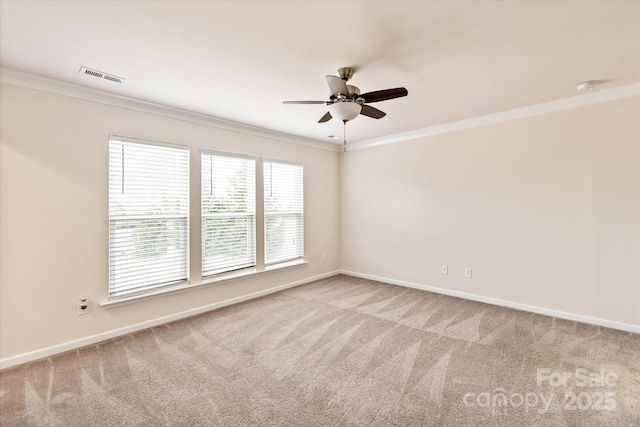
444, 269
324, 257
83, 307
467, 273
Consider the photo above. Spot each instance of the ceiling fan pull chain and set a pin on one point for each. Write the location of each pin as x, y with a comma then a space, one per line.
344, 134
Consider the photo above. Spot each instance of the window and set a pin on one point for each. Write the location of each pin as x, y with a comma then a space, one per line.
228, 213
148, 215
283, 210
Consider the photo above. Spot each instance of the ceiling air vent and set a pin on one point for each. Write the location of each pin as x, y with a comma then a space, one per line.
100, 75
112, 78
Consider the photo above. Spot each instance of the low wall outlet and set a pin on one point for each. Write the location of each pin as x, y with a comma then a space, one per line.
444, 269
324, 257
467, 273
83, 307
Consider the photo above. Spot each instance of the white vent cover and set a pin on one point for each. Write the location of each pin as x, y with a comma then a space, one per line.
101, 75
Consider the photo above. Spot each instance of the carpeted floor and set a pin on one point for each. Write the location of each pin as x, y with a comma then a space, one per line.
339, 352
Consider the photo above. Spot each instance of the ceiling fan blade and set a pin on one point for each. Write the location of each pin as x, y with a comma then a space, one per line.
304, 102
325, 118
369, 111
383, 95
337, 86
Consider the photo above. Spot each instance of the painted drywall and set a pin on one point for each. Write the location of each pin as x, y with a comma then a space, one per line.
545, 210
54, 207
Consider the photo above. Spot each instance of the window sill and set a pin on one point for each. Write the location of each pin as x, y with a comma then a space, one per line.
209, 281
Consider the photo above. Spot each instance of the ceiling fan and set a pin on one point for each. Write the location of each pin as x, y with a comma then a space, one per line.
346, 102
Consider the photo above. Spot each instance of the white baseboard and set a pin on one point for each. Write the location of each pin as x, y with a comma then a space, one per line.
503, 303
93, 339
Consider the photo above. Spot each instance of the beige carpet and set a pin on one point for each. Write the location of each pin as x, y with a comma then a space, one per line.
339, 352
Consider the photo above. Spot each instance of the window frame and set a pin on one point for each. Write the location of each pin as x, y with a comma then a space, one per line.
298, 257
116, 292
248, 267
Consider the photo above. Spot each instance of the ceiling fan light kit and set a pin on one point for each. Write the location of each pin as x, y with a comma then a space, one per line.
345, 111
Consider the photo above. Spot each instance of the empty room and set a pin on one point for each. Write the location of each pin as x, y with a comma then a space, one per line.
319, 213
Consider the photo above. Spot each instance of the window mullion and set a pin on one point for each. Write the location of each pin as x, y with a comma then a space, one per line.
260, 217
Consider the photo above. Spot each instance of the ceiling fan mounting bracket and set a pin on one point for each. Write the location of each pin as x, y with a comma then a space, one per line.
346, 73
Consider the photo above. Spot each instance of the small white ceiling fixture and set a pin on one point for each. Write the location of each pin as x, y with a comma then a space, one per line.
588, 85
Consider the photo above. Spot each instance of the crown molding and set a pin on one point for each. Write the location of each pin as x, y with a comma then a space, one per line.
32, 81
577, 101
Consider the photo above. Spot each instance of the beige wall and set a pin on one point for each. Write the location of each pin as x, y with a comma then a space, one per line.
53, 215
546, 210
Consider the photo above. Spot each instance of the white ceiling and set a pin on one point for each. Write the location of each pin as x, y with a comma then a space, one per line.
238, 60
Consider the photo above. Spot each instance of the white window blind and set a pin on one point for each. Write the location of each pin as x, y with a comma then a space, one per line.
148, 215
283, 210
228, 213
